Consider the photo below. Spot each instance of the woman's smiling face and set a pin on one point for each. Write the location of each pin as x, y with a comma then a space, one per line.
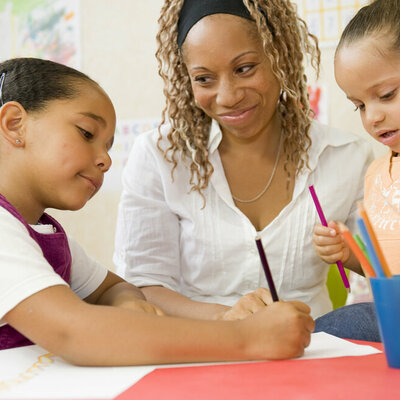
231, 76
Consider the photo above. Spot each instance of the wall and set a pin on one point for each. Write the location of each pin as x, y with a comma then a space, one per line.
118, 46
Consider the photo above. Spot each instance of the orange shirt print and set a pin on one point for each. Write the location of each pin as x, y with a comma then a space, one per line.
382, 203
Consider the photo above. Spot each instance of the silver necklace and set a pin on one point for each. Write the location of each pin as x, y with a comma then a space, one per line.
269, 180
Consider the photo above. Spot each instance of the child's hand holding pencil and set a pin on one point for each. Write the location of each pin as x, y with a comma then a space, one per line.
322, 218
329, 244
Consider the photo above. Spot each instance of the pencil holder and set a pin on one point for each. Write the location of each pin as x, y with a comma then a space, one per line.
386, 292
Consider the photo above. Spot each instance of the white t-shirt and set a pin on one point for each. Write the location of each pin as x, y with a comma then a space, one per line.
165, 237
24, 270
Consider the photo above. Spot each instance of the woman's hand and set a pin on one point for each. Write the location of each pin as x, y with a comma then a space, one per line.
249, 304
141, 306
329, 243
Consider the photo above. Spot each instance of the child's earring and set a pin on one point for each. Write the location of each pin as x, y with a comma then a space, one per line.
17, 141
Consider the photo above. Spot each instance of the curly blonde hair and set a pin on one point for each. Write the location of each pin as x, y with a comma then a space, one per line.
285, 39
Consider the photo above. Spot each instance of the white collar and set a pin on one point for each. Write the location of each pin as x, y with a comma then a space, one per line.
215, 137
321, 137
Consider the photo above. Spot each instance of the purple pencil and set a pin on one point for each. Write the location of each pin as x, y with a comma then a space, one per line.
324, 223
267, 271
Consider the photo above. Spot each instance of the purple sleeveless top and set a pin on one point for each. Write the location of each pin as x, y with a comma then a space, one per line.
55, 250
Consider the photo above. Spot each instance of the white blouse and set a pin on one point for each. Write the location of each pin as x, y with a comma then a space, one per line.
165, 237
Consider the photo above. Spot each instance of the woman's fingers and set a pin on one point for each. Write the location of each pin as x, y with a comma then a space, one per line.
248, 304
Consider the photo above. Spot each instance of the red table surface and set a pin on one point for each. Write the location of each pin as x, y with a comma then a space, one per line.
350, 378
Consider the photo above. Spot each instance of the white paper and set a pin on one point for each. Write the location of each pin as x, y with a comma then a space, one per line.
33, 373
329, 346
322, 345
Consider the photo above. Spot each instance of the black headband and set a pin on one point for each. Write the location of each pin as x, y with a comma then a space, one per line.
193, 11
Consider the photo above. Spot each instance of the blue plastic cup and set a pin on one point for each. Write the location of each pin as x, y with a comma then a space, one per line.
386, 292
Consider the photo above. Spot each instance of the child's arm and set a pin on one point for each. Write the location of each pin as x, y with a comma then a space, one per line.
86, 334
331, 247
114, 291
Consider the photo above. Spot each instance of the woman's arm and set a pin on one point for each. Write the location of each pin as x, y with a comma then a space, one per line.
147, 239
178, 305
114, 291
85, 334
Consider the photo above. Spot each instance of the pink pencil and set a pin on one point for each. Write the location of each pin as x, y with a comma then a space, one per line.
324, 223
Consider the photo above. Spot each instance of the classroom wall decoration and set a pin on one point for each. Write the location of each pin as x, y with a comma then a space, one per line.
41, 28
125, 134
319, 102
326, 19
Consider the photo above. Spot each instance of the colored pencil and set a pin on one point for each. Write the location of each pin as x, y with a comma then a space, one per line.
361, 257
361, 245
370, 248
267, 271
374, 240
324, 223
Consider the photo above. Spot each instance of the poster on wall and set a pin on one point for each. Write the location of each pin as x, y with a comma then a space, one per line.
326, 19
41, 28
125, 134
317, 95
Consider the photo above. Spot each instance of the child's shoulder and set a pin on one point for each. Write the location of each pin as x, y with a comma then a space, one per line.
14, 238
9, 222
378, 164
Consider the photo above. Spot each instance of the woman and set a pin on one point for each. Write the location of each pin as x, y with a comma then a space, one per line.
233, 159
